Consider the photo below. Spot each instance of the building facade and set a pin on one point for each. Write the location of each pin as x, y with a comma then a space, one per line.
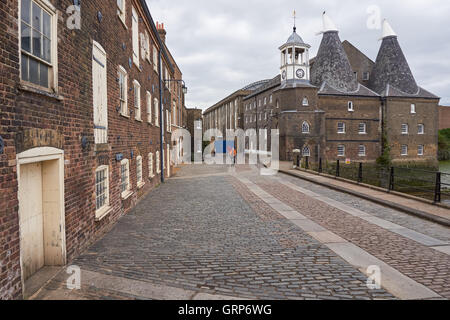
80, 131
340, 104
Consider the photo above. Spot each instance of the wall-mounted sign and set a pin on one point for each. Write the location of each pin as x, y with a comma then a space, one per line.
119, 157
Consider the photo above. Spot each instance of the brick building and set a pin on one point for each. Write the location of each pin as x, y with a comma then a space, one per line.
340, 104
444, 117
194, 116
81, 124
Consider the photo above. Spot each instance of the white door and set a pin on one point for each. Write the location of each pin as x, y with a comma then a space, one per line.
31, 218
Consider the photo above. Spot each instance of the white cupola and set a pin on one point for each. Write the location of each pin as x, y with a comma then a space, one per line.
295, 59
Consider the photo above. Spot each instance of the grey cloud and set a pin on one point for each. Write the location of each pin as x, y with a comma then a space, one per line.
223, 45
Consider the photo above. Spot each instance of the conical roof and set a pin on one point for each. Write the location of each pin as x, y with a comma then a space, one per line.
391, 67
331, 64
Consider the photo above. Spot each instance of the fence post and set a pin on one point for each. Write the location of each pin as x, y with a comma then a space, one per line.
320, 166
360, 172
338, 173
391, 180
298, 161
307, 163
437, 192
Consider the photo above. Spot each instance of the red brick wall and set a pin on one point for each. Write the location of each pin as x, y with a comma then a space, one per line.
444, 117
71, 116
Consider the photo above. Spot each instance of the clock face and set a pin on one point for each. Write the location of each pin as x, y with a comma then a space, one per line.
300, 74
283, 74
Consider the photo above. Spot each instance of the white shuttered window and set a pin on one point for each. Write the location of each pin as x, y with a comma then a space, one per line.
99, 93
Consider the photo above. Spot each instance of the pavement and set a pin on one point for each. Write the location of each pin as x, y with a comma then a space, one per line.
215, 232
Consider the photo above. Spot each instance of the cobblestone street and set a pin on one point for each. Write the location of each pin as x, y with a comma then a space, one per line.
215, 233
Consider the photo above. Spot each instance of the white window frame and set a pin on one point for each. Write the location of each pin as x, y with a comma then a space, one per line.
363, 126
403, 148
421, 150
135, 36
158, 162
121, 11
137, 100
421, 128
351, 106
127, 192
306, 128
413, 108
151, 171
305, 102
362, 150
102, 211
139, 168
265, 101
123, 103
149, 106
100, 99
405, 128
155, 59
340, 148
366, 76
341, 129
145, 46
156, 105
46, 6
271, 98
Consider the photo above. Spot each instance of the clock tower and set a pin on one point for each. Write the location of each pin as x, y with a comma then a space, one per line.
295, 59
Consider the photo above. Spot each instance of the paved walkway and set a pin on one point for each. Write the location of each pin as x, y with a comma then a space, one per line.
215, 233
379, 195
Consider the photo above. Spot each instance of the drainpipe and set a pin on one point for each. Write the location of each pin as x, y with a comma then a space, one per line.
161, 112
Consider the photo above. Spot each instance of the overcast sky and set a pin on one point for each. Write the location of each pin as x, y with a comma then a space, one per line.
223, 45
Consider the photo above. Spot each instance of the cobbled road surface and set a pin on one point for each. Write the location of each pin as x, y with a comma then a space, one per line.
207, 231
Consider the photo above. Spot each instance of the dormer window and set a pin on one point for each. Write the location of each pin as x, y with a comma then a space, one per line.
351, 107
305, 102
366, 76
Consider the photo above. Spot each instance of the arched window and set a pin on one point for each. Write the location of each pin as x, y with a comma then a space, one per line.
305, 102
305, 127
306, 152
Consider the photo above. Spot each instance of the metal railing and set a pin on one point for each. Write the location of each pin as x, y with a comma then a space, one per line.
430, 185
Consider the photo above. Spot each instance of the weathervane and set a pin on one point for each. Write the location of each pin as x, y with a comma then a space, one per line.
295, 20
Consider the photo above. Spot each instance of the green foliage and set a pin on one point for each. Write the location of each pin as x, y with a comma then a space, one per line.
444, 144
385, 159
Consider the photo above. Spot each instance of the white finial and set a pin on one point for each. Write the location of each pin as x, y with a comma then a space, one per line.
387, 30
328, 24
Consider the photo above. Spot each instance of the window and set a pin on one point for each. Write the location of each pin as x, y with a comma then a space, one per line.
306, 152
123, 91
135, 36
149, 107
158, 162
341, 150
156, 105
125, 178
341, 127
271, 98
101, 188
405, 128
421, 129
265, 100
121, 7
420, 150
404, 150
137, 100
413, 108
151, 172
278, 104
145, 46
362, 128
305, 102
155, 59
99, 94
351, 108
260, 103
140, 181
305, 127
362, 151
366, 76
38, 43
167, 121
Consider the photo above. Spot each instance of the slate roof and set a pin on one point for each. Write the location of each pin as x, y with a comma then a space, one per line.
360, 91
391, 68
391, 91
295, 39
331, 65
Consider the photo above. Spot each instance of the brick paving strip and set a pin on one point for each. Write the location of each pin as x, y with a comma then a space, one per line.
424, 266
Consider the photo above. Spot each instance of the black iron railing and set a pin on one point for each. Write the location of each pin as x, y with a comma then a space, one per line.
431, 185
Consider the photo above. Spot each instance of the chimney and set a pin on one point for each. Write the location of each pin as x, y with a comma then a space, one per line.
161, 31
